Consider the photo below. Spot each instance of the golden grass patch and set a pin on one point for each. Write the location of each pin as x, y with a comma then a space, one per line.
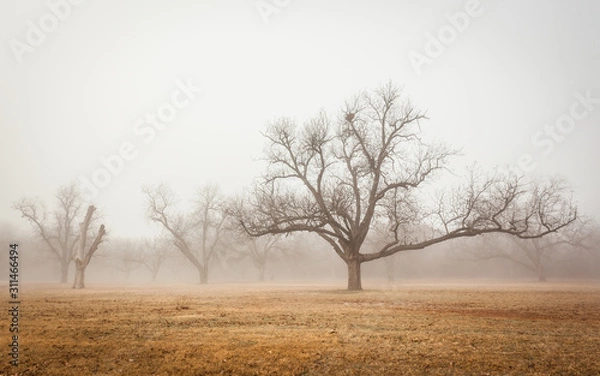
287, 330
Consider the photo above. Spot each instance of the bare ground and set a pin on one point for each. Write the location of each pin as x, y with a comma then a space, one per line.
528, 329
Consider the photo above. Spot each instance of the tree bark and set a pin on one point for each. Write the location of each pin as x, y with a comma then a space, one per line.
354, 276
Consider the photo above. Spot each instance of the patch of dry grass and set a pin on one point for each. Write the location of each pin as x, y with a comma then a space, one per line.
286, 330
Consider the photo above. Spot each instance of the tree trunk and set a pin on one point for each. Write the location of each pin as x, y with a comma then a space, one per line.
354, 278
82, 258
389, 268
79, 282
64, 272
203, 271
541, 273
261, 273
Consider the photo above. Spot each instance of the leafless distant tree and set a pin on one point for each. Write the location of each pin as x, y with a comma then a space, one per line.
127, 253
154, 253
86, 250
404, 228
591, 246
379, 236
57, 229
336, 179
130, 254
533, 254
198, 233
259, 250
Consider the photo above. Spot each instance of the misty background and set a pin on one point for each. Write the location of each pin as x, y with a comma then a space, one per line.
74, 99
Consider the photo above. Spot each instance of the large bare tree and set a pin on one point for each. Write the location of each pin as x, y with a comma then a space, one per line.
198, 233
57, 229
338, 178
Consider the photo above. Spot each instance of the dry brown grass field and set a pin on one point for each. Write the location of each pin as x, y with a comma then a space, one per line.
410, 329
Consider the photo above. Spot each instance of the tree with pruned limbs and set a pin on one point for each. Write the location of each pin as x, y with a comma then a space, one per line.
337, 179
87, 247
57, 229
197, 234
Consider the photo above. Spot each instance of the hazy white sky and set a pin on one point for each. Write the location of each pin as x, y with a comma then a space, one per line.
79, 93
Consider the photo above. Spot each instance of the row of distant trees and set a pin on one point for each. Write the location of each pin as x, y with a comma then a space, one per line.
208, 233
202, 235
357, 181
127, 255
568, 253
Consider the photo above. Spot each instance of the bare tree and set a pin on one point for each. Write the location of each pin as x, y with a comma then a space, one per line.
259, 250
338, 180
197, 234
380, 235
127, 253
533, 254
591, 247
133, 253
84, 253
155, 253
58, 229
